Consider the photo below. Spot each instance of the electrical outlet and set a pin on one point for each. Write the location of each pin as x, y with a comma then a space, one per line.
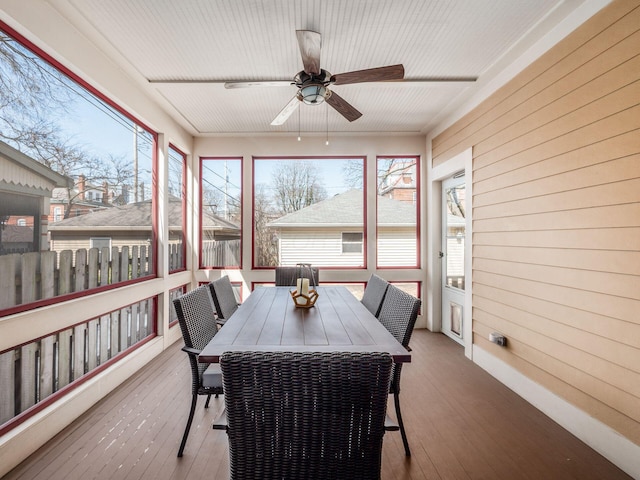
498, 339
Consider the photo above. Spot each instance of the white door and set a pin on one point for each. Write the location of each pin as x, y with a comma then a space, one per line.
452, 256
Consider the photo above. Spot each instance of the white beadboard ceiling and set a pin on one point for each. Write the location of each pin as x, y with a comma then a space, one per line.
160, 42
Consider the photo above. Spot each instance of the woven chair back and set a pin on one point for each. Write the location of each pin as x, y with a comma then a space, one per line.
196, 316
374, 294
305, 415
287, 276
223, 297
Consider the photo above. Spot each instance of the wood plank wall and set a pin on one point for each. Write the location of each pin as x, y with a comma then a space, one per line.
556, 217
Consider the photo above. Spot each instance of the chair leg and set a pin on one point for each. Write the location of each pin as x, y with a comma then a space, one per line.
206, 405
194, 400
396, 401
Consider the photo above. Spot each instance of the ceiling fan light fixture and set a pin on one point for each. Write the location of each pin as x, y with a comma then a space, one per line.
313, 94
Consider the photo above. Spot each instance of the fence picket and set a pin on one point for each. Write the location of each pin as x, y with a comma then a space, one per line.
48, 274
92, 267
47, 366
8, 279
28, 375
65, 272
104, 338
104, 266
92, 345
29, 275
7, 385
78, 351
115, 334
81, 270
64, 358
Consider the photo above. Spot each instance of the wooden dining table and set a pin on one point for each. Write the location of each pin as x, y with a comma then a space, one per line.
269, 321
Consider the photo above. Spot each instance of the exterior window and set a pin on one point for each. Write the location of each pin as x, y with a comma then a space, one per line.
220, 212
177, 209
352, 242
100, 242
21, 222
57, 214
308, 210
398, 212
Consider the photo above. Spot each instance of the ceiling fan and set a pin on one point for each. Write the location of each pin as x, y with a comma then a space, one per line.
313, 82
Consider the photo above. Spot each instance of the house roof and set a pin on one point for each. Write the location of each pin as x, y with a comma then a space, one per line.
135, 216
346, 209
20, 169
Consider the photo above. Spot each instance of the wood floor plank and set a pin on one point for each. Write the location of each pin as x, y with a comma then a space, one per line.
461, 422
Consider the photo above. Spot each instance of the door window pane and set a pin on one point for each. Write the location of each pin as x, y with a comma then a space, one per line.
455, 237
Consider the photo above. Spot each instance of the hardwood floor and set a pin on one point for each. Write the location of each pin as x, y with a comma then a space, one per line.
461, 423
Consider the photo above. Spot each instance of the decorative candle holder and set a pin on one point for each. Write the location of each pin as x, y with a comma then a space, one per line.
305, 294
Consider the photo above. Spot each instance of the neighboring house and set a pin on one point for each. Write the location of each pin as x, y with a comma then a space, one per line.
330, 233
399, 181
26, 187
128, 225
86, 198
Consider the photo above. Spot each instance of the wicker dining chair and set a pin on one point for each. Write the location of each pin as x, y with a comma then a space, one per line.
223, 298
305, 415
374, 294
197, 322
398, 314
287, 276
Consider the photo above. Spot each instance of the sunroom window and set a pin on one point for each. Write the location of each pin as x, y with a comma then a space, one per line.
97, 180
303, 208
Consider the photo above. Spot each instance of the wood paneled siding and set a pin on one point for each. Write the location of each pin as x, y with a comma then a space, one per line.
397, 247
556, 217
320, 247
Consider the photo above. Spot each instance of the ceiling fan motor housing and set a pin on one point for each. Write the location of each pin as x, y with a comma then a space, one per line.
313, 88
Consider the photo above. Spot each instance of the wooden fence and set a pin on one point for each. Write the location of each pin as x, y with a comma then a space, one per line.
29, 277
32, 372
221, 253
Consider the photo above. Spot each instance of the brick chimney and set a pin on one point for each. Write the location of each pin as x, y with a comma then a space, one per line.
81, 186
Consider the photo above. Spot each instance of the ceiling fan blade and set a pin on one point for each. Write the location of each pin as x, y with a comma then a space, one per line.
380, 74
286, 112
257, 83
309, 43
345, 109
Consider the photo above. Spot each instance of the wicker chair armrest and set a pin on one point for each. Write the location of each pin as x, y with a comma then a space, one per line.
220, 423
191, 350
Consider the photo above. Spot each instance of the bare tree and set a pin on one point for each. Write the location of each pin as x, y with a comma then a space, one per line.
265, 241
296, 185
393, 168
353, 171
33, 95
